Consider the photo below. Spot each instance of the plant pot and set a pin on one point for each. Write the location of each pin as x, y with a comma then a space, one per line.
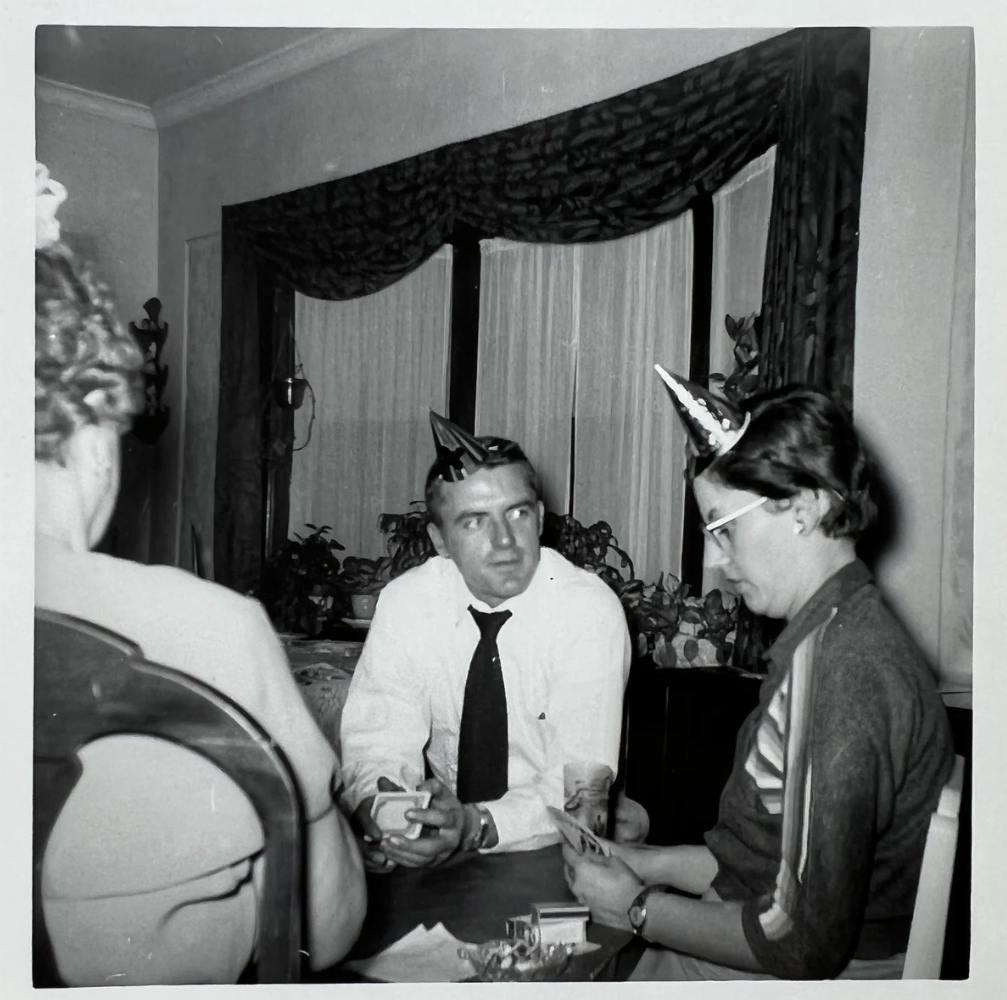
694, 652
363, 605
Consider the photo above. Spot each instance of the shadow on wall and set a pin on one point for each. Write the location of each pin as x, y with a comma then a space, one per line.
882, 535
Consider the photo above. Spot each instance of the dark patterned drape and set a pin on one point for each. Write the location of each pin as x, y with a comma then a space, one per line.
238, 491
809, 284
606, 170
810, 279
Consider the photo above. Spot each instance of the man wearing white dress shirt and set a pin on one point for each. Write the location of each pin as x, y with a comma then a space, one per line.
490, 666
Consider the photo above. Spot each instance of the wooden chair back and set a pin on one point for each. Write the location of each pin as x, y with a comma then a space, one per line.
91, 683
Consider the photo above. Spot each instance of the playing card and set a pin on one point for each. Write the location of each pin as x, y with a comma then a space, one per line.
578, 836
586, 788
389, 811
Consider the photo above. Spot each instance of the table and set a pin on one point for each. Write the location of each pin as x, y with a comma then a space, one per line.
323, 669
473, 898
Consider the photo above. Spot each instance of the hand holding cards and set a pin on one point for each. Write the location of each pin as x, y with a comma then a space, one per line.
389, 810
578, 836
586, 787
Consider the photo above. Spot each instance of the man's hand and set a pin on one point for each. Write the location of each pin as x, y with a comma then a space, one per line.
443, 830
374, 855
607, 885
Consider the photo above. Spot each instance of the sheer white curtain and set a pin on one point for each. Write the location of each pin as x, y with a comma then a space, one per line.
528, 323
740, 230
636, 308
568, 336
741, 211
376, 364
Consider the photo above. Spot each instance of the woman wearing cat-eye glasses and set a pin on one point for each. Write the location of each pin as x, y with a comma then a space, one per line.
812, 867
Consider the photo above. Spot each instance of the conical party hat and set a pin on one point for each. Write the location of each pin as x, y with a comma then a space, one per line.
714, 426
459, 454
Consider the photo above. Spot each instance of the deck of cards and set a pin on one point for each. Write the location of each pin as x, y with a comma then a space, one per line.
389, 810
578, 836
560, 923
551, 923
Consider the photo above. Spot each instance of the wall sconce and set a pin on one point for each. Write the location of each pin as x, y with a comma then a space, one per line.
289, 392
149, 425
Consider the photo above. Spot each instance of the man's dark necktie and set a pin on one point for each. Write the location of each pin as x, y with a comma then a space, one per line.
482, 736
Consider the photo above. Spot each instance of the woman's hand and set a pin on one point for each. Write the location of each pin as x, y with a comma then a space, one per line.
606, 885
639, 857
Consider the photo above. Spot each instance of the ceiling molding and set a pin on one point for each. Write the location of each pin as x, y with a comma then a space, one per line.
115, 108
293, 59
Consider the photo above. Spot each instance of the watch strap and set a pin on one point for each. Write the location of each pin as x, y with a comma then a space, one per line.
637, 911
484, 827
477, 839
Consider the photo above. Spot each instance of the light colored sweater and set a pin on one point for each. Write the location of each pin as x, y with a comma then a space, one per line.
148, 875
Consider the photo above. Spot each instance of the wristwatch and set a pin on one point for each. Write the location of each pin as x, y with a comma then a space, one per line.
637, 911
478, 841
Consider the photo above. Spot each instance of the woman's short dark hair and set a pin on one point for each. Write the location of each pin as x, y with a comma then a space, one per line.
87, 367
801, 438
502, 451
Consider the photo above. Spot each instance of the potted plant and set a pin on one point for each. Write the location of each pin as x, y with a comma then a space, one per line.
668, 624
406, 538
299, 588
676, 629
744, 380
653, 611
362, 579
754, 633
592, 548
407, 545
706, 631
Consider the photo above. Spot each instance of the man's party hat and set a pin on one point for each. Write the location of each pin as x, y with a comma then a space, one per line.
459, 454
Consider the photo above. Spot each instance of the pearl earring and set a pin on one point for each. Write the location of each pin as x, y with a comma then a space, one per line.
798, 528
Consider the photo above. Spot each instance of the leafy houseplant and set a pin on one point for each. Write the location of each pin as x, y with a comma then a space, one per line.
299, 583
754, 632
407, 544
653, 611
744, 380
361, 581
406, 538
668, 625
674, 628
592, 548
707, 629
306, 589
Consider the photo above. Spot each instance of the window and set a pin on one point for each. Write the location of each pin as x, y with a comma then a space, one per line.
377, 364
568, 336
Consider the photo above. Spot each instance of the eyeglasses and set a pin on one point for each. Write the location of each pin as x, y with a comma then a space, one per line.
714, 526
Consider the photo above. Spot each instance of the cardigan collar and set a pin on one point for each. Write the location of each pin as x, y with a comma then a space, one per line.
818, 609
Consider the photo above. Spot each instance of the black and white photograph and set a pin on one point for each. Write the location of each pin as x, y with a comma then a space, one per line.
504, 500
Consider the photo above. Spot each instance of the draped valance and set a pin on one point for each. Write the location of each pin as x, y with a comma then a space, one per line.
598, 172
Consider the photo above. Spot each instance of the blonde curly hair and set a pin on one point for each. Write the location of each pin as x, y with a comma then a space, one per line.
87, 367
